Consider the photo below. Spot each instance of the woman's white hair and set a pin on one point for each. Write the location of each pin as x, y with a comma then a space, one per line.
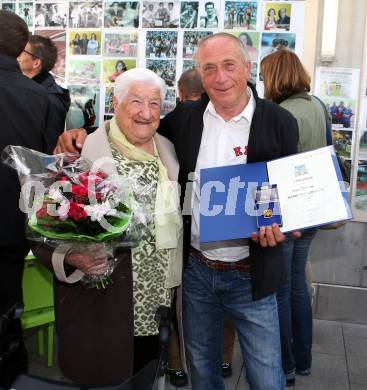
126, 80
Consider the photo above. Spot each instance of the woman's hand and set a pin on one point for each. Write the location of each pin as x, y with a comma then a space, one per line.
93, 263
71, 141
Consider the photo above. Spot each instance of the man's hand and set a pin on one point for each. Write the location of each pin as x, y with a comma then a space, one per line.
271, 235
71, 141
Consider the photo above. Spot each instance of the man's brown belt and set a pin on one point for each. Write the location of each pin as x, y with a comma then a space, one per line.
240, 265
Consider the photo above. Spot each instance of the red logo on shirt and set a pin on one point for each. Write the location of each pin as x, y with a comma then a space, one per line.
240, 151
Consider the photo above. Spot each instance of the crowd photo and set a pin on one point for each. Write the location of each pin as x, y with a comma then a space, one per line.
180, 182
162, 44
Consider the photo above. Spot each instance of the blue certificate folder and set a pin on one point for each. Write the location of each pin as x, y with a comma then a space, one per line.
224, 215
227, 209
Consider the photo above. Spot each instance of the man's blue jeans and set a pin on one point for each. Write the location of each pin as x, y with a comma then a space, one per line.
210, 294
294, 305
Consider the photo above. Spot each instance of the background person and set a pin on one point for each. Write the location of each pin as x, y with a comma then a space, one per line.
284, 20
76, 44
270, 22
120, 68
287, 83
84, 44
173, 16
211, 18
189, 17
36, 61
93, 45
161, 15
247, 42
148, 15
248, 16
23, 112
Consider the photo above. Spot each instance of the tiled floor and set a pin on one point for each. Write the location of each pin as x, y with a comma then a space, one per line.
339, 360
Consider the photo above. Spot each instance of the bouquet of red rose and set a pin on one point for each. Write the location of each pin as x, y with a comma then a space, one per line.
68, 202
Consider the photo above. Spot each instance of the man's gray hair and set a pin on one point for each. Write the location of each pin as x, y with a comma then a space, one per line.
243, 51
126, 80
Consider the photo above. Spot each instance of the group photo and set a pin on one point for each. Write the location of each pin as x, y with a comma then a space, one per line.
120, 44
85, 42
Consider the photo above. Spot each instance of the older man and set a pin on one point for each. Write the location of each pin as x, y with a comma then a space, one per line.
229, 125
36, 61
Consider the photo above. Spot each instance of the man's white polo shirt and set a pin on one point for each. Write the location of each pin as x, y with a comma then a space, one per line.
222, 143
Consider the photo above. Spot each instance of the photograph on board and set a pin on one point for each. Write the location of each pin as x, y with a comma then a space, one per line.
165, 69
209, 14
51, 15
189, 14
85, 14
191, 40
161, 44
84, 42
161, 14
169, 102
240, 14
84, 71
342, 111
188, 64
251, 41
360, 202
271, 42
277, 16
25, 11
118, 44
112, 68
121, 14
84, 108
108, 101
343, 141
8, 6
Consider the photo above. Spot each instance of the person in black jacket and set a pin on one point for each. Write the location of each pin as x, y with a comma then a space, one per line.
229, 125
36, 61
23, 113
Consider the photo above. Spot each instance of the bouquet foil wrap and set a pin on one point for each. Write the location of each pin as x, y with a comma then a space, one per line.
68, 202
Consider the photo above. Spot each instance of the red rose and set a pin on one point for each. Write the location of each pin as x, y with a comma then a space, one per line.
63, 178
42, 213
79, 190
83, 178
76, 212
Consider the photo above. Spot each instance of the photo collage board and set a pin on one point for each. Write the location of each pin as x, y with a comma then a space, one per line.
99, 40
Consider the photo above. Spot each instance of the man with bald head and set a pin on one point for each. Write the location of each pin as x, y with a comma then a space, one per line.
229, 125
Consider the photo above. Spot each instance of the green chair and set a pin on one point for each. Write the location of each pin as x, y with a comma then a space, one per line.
39, 305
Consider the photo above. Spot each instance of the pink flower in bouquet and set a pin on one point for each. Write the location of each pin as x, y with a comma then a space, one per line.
76, 212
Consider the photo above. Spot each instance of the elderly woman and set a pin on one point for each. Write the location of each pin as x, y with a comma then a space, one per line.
100, 330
